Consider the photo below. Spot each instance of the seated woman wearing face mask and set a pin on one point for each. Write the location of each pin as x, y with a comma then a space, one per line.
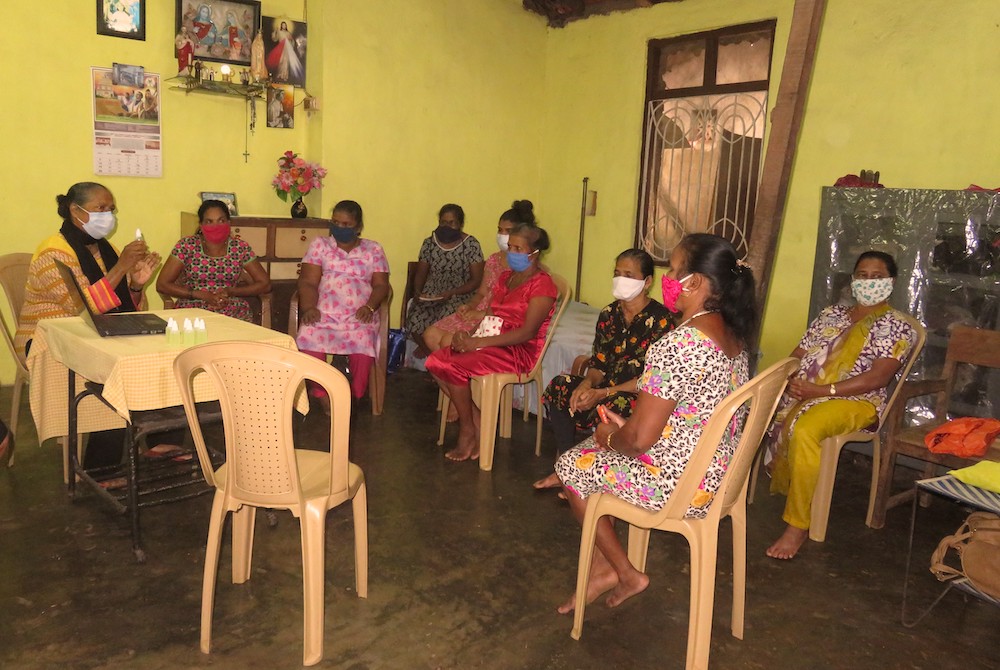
204, 269
849, 355
625, 330
467, 316
449, 270
113, 281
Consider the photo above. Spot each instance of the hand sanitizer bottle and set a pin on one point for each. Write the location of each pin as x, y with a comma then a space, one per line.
187, 336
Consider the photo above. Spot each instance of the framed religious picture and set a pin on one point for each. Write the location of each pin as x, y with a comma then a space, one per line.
281, 106
228, 198
285, 49
122, 18
220, 30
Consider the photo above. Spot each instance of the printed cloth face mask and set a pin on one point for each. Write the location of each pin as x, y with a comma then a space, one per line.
870, 292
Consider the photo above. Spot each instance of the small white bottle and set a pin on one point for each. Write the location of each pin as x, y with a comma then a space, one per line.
200, 332
187, 336
173, 333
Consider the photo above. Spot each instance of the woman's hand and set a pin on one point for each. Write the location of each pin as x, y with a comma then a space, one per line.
582, 389
589, 398
143, 269
800, 389
604, 430
310, 316
365, 314
462, 342
134, 251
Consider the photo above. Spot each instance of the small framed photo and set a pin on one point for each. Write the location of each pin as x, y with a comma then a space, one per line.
228, 198
222, 30
281, 106
122, 18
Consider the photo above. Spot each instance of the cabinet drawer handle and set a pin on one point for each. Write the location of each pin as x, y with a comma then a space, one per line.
303, 238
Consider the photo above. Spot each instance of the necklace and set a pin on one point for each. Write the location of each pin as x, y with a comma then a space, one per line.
695, 316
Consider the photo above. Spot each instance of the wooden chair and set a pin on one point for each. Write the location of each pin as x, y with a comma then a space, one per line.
762, 392
493, 395
263, 300
13, 278
380, 371
966, 345
832, 447
257, 386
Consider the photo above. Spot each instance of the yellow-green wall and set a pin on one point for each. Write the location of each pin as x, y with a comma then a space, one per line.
477, 102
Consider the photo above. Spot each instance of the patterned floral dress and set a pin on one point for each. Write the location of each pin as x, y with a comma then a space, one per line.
450, 268
211, 273
685, 366
346, 285
890, 337
620, 353
458, 322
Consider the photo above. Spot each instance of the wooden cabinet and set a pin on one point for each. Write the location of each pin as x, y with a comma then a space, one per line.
280, 244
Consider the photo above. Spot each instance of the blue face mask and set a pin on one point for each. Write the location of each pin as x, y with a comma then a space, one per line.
343, 235
519, 261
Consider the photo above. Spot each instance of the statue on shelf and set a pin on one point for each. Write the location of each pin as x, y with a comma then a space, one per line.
185, 51
198, 70
258, 71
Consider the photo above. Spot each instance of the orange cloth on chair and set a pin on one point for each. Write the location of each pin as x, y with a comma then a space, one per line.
965, 437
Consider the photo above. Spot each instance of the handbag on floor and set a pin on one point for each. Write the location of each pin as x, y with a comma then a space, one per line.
977, 543
396, 350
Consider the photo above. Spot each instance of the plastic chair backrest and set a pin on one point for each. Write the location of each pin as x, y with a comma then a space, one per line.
257, 385
763, 393
564, 296
920, 337
13, 279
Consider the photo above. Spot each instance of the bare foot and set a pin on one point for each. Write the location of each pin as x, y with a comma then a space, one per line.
788, 544
599, 583
634, 584
466, 449
550, 482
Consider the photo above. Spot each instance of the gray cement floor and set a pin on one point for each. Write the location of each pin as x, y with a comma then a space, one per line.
466, 569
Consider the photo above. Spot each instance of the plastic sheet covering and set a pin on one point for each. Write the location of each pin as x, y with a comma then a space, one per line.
947, 247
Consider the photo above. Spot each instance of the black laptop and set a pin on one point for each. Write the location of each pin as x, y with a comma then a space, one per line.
107, 325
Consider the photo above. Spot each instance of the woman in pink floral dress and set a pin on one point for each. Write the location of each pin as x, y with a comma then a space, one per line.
343, 281
687, 373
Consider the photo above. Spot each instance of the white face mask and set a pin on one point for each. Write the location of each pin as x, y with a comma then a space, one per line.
502, 241
870, 292
626, 288
99, 224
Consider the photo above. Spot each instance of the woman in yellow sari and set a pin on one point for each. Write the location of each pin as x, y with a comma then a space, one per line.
849, 356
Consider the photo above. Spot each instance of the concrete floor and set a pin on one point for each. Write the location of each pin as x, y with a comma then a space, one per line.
466, 568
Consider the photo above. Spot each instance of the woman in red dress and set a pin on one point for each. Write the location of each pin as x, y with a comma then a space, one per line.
524, 298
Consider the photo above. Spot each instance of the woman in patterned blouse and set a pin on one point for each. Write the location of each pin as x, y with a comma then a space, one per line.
625, 330
204, 269
849, 355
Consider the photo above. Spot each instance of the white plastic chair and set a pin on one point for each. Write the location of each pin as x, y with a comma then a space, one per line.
762, 392
257, 386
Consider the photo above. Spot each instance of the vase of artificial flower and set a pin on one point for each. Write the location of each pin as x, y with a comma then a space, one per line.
295, 179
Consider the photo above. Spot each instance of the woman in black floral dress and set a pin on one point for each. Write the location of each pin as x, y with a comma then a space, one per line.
625, 330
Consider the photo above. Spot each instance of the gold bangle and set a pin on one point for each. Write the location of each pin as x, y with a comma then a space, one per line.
611, 448
370, 308
833, 389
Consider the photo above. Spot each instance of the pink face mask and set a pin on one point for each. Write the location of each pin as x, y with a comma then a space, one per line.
215, 233
672, 289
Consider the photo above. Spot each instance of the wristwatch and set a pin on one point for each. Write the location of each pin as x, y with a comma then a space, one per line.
833, 389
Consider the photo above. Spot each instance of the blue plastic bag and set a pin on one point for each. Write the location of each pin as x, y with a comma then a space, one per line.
397, 349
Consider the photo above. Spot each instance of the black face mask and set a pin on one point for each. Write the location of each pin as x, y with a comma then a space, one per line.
447, 234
